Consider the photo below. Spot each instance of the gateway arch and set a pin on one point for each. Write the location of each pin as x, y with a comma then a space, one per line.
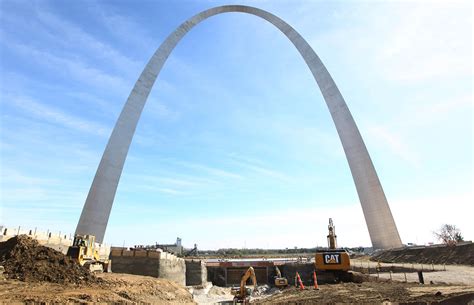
95, 214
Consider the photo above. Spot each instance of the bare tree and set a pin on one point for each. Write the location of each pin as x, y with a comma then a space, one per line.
449, 234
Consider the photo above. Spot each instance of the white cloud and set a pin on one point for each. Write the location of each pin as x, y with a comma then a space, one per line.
16, 177
428, 42
404, 42
262, 170
167, 191
382, 137
73, 68
418, 217
68, 34
159, 109
302, 227
53, 115
212, 170
127, 30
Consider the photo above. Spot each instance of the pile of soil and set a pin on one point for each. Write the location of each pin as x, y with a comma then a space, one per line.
459, 254
26, 260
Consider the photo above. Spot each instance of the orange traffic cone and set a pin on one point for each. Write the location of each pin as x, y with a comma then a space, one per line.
299, 280
315, 280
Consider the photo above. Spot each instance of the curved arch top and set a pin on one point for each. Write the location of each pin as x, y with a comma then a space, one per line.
95, 214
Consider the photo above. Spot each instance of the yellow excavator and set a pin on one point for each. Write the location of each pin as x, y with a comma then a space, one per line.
242, 294
84, 250
332, 264
280, 281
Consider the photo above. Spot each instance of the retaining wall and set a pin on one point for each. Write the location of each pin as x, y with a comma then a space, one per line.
304, 270
225, 276
151, 263
57, 241
196, 273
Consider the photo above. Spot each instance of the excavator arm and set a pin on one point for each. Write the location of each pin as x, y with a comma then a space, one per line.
250, 273
277, 271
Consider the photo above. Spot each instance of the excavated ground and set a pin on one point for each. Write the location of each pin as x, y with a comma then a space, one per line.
26, 260
34, 273
374, 293
112, 288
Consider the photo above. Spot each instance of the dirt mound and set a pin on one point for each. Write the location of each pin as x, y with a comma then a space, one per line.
460, 254
26, 260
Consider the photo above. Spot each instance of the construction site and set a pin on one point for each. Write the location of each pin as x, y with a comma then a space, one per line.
63, 122
47, 269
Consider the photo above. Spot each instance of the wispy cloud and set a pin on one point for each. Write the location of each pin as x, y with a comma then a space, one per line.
71, 67
67, 34
167, 191
126, 29
415, 51
213, 171
415, 42
258, 167
15, 177
385, 138
158, 109
42, 111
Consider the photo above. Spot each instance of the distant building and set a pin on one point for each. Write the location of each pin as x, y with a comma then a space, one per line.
176, 248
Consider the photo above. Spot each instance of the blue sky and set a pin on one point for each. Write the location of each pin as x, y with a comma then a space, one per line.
236, 147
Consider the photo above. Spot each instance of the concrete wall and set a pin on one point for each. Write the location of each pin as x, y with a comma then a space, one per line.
151, 263
217, 275
173, 268
196, 273
57, 241
221, 276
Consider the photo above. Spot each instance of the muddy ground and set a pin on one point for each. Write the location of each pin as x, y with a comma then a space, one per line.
375, 293
113, 288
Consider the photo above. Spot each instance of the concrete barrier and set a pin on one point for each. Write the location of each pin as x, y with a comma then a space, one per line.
57, 241
151, 263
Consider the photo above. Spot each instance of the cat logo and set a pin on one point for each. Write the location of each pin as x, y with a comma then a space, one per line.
332, 258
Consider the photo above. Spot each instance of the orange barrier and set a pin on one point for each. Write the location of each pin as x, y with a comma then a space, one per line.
315, 280
299, 280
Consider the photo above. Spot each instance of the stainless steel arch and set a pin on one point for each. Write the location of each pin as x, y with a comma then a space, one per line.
95, 214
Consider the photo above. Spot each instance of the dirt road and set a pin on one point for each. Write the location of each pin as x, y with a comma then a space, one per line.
114, 287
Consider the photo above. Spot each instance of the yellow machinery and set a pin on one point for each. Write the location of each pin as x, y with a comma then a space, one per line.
280, 281
84, 250
242, 294
333, 262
